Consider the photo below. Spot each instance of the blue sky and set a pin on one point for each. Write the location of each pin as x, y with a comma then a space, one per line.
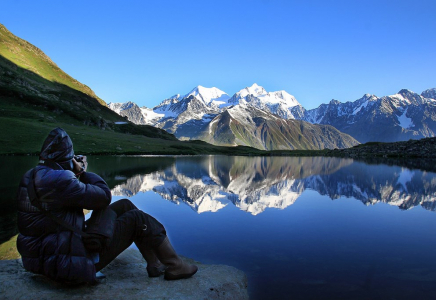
146, 51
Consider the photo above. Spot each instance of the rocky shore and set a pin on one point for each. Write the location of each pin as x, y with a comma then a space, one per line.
423, 148
126, 278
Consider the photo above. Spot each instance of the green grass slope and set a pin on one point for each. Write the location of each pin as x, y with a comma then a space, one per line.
31, 58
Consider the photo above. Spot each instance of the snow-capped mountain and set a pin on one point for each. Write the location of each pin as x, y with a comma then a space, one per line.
430, 93
134, 113
196, 103
279, 103
255, 184
210, 96
209, 114
402, 116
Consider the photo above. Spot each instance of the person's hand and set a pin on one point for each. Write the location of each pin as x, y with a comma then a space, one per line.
80, 166
84, 163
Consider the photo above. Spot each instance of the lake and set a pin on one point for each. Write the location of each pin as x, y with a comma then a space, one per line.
299, 227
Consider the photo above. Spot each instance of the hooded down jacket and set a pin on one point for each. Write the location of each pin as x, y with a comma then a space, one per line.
46, 247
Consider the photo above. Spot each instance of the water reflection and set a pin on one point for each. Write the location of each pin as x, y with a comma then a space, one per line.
253, 184
315, 249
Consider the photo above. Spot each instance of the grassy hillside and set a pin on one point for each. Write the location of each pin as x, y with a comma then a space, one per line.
31, 58
25, 136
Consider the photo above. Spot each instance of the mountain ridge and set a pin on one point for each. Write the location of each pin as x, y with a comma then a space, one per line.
397, 117
255, 117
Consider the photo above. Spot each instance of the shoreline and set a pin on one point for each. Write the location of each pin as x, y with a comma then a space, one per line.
423, 148
127, 278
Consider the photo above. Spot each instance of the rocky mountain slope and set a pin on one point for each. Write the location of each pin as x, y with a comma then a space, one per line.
247, 125
403, 116
252, 117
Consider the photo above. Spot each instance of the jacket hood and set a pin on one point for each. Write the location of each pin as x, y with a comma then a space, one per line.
57, 147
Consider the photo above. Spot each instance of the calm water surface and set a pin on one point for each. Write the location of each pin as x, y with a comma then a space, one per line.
300, 228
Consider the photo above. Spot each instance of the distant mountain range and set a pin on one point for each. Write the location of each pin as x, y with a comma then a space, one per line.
252, 117
400, 117
276, 120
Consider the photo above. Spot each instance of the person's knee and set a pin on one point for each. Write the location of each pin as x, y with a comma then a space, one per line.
126, 203
122, 206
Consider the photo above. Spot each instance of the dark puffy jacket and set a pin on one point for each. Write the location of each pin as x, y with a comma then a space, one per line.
47, 247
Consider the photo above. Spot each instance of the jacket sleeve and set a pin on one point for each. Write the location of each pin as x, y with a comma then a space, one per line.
90, 192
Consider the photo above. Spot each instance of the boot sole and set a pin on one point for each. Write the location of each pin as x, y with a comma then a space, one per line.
155, 272
169, 276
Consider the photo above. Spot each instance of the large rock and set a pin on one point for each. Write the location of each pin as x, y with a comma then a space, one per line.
126, 278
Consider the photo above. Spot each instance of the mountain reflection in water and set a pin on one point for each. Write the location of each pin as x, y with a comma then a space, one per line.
253, 184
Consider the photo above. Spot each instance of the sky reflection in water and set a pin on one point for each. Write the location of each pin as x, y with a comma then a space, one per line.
275, 219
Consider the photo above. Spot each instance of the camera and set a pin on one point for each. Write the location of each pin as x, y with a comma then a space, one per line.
79, 158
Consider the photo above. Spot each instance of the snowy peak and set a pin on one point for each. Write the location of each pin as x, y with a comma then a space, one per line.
279, 103
430, 93
405, 93
254, 90
128, 105
370, 97
257, 91
411, 97
284, 98
118, 107
209, 95
334, 102
213, 101
174, 98
166, 104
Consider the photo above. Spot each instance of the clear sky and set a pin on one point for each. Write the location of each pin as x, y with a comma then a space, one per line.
146, 51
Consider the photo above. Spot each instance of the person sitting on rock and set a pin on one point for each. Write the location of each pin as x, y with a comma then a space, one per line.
65, 190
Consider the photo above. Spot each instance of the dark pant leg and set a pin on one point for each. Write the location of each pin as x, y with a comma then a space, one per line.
122, 206
132, 226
